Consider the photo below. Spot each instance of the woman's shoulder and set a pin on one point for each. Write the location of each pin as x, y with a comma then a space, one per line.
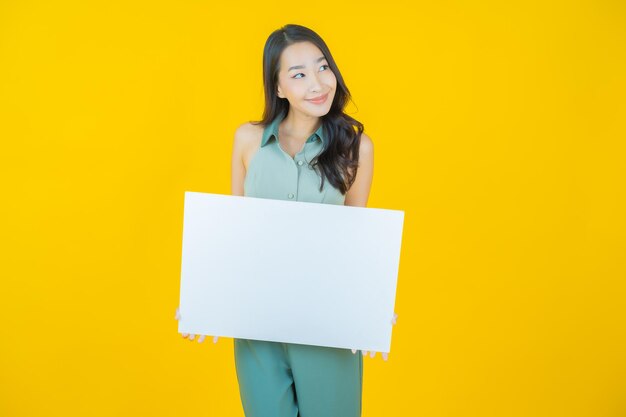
248, 135
248, 131
366, 143
247, 140
366, 146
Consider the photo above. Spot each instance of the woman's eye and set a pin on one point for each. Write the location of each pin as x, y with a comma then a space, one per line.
296, 76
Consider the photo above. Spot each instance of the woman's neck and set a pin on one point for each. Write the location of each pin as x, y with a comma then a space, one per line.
299, 125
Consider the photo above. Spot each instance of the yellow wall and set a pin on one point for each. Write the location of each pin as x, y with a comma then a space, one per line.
499, 128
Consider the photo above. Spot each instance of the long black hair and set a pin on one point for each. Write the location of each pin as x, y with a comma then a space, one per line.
338, 160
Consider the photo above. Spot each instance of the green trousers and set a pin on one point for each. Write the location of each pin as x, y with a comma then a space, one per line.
293, 380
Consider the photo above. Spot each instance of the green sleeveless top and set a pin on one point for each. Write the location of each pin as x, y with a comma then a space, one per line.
273, 173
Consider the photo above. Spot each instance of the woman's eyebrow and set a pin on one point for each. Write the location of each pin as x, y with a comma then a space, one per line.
302, 66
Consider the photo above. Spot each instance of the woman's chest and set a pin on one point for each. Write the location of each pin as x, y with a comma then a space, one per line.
272, 173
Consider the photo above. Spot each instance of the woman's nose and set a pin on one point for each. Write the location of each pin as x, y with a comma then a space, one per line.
315, 83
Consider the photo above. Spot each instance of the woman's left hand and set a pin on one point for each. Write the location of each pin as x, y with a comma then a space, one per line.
372, 353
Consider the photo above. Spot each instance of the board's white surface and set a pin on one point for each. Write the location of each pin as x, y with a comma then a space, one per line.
285, 271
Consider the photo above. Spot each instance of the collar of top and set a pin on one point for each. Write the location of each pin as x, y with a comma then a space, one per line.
272, 130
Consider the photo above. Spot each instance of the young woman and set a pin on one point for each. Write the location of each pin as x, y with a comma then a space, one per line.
304, 149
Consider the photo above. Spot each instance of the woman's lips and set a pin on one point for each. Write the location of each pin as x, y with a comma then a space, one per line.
319, 100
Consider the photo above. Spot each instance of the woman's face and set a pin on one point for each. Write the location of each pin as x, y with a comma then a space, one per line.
304, 75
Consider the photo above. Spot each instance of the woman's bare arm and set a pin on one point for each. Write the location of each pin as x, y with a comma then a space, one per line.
238, 169
359, 192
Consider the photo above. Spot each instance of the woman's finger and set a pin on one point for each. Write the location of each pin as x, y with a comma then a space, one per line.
394, 319
201, 338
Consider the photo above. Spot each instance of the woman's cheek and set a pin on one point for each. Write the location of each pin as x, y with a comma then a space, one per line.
331, 79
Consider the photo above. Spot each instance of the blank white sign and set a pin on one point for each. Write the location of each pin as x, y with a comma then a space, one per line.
289, 271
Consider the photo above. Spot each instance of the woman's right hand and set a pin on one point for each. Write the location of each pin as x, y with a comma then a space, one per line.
191, 337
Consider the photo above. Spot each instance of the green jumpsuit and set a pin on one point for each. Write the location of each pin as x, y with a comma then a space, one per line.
287, 379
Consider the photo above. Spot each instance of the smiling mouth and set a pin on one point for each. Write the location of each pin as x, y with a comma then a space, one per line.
318, 99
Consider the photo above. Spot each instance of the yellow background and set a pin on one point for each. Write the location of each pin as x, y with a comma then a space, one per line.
499, 129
